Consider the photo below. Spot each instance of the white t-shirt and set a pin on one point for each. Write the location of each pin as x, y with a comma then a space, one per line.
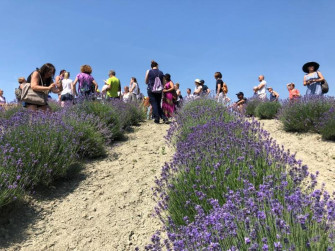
126, 97
3, 100
263, 90
67, 86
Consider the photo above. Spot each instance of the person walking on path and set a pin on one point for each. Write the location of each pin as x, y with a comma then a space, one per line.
293, 93
261, 88
66, 95
155, 98
114, 89
168, 105
134, 89
274, 96
219, 83
313, 78
87, 85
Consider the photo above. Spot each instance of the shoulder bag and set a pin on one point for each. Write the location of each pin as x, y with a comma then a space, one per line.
34, 97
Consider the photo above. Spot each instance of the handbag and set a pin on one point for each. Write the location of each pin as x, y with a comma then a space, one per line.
33, 97
324, 85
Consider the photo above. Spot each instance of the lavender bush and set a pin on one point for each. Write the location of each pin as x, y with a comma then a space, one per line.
93, 133
251, 105
267, 110
38, 147
231, 187
35, 148
326, 126
304, 114
197, 112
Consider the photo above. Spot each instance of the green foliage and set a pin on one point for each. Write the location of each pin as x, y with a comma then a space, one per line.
267, 110
327, 125
250, 107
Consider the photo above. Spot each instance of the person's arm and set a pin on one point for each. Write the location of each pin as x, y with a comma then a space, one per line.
198, 90
241, 102
218, 90
171, 87
321, 78
297, 93
147, 77
208, 91
132, 87
35, 78
74, 91
305, 81
58, 82
260, 86
95, 85
276, 95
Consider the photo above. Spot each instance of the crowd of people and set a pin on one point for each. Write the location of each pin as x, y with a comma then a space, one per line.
164, 96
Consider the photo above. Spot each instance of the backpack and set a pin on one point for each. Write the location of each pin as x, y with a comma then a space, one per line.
18, 93
158, 86
204, 89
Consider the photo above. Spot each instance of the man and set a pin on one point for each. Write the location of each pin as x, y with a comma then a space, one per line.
239, 104
189, 95
114, 90
261, 88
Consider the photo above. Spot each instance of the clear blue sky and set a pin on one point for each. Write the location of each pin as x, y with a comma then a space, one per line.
189, 39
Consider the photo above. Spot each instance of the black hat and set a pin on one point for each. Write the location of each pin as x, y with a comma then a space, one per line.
305, 67
202, 81
240, 93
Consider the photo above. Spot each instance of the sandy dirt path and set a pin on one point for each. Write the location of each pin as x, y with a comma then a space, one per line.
106, 207
317, 154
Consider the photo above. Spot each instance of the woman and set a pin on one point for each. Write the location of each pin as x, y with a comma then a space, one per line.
154, 97
87, 85
223, 99
126, 96
179, 96
219, 84
168, 104
66, 94
2, 98
293, 93
198, 88
313, 78
134, 89
274, 96
41, 80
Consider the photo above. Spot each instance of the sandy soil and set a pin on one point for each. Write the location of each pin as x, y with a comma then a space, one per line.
317, 154
108, 206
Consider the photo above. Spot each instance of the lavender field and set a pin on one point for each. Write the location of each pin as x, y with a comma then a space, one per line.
230, 186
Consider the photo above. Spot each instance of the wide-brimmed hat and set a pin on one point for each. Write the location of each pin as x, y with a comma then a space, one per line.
197, 81
305, 66
240, 93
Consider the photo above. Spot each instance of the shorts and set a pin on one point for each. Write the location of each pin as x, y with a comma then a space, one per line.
66, 97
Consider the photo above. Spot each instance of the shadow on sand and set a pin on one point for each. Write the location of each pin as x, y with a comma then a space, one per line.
17, 217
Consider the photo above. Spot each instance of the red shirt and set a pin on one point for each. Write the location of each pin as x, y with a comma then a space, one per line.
294, 93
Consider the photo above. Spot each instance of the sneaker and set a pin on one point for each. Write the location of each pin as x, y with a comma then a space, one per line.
156, 121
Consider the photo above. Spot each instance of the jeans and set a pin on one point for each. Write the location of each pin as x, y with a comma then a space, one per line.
155, 101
